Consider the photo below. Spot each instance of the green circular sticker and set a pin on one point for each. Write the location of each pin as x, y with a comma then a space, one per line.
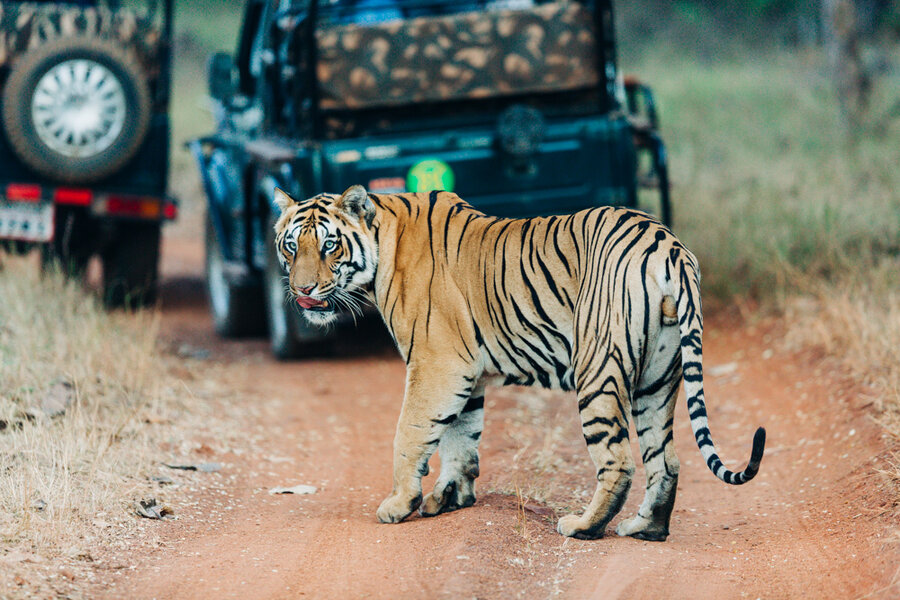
430, 174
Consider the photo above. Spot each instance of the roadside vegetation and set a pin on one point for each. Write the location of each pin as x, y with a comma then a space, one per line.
79, 387
92, 403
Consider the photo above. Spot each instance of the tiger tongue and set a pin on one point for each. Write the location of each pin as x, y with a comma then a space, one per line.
307, 302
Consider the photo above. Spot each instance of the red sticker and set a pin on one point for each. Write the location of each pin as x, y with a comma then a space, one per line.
387, 185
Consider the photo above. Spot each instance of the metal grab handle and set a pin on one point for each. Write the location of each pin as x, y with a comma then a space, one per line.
649, 140
196, 148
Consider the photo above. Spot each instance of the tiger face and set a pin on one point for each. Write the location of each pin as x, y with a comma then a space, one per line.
326, 246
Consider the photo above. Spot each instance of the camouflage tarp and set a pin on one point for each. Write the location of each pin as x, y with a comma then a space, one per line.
27, 25
471, 55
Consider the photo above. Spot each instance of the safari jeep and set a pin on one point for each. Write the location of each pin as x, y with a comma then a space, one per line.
515, 105
85, 136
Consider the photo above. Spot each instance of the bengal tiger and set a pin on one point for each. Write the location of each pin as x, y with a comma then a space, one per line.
605, 302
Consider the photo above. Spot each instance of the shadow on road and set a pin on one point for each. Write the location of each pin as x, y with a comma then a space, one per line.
183, 292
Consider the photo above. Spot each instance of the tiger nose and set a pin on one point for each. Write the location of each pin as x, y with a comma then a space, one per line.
306, 290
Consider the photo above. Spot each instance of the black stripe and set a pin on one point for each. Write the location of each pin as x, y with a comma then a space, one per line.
651, 455
446, 233
698, 412
462, 234
432, 199
601, 421
405, 202
445, 421
412, 339
474, 404
596, 438
703, 438
619, 437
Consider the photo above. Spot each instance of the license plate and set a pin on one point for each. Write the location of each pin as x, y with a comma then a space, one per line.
26, 221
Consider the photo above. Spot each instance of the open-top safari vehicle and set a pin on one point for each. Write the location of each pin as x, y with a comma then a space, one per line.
84, 150
515, 105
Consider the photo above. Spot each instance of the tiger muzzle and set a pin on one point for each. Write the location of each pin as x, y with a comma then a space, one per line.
315, 304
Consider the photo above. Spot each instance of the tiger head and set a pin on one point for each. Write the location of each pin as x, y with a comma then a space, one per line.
327, 247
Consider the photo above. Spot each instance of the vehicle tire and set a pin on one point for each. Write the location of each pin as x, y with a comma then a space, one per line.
130, 265
72, 245
290, 335
76, 109
237, 307
15, 247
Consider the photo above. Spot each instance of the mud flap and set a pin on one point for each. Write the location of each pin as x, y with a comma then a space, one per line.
221, 183
644, 121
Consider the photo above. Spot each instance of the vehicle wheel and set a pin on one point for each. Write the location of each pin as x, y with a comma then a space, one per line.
237, 307
130, 266
76, 109
291, 335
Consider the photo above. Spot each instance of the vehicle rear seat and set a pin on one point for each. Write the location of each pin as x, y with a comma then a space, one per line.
470, 55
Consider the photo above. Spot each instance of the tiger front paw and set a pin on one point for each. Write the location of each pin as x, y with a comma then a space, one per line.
578, 527
448, 496
397, 507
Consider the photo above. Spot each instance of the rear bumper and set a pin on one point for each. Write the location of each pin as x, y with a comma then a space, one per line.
98, 203
33, 214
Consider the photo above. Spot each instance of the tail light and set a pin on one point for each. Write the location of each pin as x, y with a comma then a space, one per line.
117, 205
139, 207
23, 192
170, 210
73, 196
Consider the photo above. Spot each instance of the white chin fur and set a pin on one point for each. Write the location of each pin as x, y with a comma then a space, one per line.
319, 318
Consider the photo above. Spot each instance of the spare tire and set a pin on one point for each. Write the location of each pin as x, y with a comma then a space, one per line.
76, 109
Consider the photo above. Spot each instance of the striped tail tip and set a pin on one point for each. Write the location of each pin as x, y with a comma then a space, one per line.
737, 478
756, 454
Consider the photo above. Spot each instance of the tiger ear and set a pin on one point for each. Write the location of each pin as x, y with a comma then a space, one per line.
355, 201
282, 200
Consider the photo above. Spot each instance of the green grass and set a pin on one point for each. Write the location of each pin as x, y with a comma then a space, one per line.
765, 176
201, 29
213, 24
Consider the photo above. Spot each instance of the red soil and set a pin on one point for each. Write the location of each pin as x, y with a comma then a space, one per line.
811, 525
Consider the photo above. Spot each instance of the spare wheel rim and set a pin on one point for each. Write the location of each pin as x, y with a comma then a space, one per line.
78, 108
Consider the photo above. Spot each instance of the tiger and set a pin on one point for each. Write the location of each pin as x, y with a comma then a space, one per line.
604, 302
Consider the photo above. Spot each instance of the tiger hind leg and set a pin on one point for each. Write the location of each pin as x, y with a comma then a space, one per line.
605, 429
458, 449
653, 412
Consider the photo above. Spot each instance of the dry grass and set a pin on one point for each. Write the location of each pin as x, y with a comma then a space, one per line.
67, 482
857, 321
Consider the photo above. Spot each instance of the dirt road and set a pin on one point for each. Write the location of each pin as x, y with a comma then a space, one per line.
809, 526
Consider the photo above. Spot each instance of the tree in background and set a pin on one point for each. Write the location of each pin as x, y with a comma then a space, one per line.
852, 81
